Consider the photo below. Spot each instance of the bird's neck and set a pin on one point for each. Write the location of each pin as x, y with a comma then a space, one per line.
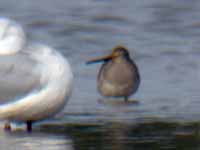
121, 59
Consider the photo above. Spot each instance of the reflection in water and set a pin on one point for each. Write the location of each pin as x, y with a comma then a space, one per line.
113, 133
128, 136
34, 141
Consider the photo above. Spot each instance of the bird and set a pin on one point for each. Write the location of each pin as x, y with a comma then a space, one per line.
36, 80
119, 75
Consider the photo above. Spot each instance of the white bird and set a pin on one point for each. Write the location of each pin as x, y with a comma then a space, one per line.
35, 80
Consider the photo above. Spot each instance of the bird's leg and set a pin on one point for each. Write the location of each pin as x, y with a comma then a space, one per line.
7, 126
126, 99
29, 125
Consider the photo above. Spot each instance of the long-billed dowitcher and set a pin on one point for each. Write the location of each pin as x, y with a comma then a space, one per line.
119, 75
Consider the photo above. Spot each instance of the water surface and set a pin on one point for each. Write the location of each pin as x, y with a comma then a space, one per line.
163, 38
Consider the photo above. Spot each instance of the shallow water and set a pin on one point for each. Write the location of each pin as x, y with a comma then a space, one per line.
163, 38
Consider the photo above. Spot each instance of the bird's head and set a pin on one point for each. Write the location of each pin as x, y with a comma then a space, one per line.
117, 51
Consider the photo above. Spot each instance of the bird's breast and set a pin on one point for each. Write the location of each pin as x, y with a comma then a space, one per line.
117, 78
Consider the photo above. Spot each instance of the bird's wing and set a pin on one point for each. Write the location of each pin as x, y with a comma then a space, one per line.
17, 77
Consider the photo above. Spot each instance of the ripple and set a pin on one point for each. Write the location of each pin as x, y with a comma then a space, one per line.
106, 18
40, 23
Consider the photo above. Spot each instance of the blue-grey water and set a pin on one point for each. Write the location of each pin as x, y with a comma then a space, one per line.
163, 39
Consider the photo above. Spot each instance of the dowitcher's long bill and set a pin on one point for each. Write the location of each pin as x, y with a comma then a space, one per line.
119, 75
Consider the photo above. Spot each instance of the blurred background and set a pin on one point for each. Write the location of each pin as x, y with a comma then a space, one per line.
163, 39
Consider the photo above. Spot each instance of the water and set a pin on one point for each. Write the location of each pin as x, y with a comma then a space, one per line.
163, 38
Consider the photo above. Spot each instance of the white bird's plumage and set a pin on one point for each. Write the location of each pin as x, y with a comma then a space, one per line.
37, 69
12, 37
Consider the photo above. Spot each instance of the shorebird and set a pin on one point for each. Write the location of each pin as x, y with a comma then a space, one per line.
37, 79
119, 75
